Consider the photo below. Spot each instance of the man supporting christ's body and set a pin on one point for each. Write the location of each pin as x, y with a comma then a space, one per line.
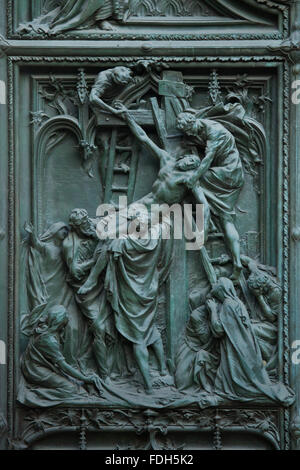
178, 176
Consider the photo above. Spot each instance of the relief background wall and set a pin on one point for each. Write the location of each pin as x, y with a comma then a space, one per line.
257, 40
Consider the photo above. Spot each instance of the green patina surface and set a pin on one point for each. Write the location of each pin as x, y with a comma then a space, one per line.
141, 333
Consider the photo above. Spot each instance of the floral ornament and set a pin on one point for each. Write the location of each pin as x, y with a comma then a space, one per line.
70, 417
40, 421
38, 117
57, 95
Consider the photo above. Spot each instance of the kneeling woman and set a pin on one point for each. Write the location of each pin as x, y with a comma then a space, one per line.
49, 378
241, 374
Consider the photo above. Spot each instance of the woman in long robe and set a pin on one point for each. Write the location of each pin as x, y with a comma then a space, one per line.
47, 284
241, 374
268, 293
47, 377
197, 358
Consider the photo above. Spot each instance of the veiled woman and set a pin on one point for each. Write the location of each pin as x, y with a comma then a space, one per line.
48, 376
197, 358
241, 374
266, 288
46, 283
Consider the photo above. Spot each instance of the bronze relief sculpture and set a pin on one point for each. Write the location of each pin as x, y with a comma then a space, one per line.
124, 322
115, 283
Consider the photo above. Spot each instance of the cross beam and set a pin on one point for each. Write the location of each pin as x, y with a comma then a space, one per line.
143, 117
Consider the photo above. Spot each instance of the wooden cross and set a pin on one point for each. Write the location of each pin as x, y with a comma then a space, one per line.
173, 92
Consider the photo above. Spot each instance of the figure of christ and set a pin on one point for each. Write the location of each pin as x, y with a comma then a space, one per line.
169, 188
219, 179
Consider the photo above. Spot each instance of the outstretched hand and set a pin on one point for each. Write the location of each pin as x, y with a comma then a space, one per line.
120, 109
96, 381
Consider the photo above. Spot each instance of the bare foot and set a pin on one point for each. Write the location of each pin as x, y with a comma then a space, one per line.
54, 31
107, 380
106, 26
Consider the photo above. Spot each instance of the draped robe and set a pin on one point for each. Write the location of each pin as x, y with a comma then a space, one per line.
241, 374
136, 268
72, 15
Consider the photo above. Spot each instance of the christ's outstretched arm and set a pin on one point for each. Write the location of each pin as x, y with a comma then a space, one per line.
141, 135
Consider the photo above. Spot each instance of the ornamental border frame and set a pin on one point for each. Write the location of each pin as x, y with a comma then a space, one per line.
80, 423
13, 64
280, 35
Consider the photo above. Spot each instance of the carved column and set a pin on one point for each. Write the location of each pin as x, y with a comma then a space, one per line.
295, 221
3, 228
295, 250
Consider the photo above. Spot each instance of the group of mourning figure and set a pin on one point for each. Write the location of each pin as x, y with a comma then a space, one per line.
113, 320
227, 352
93, 300
224, 353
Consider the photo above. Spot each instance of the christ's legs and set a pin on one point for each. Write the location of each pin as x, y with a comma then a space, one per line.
142, 358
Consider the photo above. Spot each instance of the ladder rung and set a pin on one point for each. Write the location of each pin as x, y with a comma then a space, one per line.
121, 170
120, 189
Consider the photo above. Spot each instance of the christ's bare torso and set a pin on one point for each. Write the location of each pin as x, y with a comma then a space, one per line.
169, 187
